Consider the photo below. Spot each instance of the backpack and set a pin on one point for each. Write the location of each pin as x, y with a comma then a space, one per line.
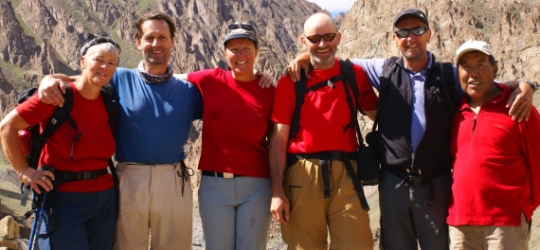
348, 78
36, 141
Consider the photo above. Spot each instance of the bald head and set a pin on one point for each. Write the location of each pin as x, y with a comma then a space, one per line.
319, 20
321, 38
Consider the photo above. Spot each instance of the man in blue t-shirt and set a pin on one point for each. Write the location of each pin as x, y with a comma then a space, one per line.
154, 118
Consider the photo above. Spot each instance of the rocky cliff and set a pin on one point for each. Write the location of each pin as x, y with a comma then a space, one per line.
40, 37
511, 27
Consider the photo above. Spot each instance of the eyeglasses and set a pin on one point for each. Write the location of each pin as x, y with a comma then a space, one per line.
404, 33
234, 26
97, 40
328, 37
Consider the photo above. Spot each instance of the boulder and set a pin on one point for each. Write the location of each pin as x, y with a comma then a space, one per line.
9, 228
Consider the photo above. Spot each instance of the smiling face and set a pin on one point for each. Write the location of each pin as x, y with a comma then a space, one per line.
477, 75
240, 54
98, 64
322, 54
155, 44
413, 48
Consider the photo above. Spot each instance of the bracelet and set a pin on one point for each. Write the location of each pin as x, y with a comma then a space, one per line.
22, 172
534, 85
33, 177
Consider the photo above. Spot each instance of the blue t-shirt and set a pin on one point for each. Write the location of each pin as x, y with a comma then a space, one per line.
154, 120
374, 68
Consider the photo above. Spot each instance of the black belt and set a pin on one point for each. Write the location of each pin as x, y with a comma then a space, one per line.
220, 174
417, 178
326, 156
66, 176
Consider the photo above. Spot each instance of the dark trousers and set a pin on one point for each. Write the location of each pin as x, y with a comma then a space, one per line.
82, 221
406, 221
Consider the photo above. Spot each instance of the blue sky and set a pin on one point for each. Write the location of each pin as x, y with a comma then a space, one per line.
334, 6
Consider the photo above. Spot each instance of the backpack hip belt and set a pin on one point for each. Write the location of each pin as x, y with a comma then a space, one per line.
67, 176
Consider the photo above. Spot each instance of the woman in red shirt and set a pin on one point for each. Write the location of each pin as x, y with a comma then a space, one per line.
80, 211
234, 194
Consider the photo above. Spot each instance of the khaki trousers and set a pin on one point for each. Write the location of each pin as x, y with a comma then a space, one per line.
490, 237
152, 202
313, 217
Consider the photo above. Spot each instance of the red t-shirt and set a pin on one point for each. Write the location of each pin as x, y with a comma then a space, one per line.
325, 118
91, 152
235, 123
496, 167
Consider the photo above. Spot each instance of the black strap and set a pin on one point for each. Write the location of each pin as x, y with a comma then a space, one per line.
116, 186
357, 186
60, 115
67, 176
301, 89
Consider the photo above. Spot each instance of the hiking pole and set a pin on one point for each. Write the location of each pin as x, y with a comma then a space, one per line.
41, 202
38, 216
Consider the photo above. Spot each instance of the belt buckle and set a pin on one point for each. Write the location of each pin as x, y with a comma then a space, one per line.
227, 175
86, 175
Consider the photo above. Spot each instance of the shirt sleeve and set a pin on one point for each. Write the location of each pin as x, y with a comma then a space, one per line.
531, 146
199, 77
284, 101
34, 111
373, 69
367, 97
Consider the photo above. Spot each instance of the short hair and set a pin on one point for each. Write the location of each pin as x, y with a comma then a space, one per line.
154, 16
492, 60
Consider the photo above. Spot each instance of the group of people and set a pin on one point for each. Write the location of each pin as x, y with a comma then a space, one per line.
254, 167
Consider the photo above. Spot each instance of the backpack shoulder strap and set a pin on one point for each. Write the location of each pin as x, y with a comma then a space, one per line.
349, 78
349, 81
60, 115
386, 74
300, 91
108, 96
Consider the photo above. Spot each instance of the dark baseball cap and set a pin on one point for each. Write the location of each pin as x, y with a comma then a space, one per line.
411, 12
241, 30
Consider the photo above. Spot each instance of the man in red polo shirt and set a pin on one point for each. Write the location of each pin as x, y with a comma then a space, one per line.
496, 184
326, 130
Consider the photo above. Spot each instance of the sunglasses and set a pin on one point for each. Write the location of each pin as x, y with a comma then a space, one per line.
234, 26
98, 40
328, 37
404, 33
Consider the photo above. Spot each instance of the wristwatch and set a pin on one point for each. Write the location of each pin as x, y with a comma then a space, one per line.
534, 85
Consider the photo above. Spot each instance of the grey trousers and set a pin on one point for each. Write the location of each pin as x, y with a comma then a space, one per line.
406, 221
235, 213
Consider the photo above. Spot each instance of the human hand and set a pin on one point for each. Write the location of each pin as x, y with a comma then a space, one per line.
38, 180
520, 102
294, 69
265, 80
51, 89
280, 208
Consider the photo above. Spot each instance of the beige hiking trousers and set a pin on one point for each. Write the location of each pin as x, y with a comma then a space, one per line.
151, 202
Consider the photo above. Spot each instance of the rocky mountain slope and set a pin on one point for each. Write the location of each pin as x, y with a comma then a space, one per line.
511, 27
43, 36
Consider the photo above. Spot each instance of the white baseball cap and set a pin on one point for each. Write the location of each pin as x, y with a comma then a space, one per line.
473, 45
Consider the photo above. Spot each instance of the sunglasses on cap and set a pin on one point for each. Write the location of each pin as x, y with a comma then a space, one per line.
234, 26
98, 40
404, 33
328, 37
